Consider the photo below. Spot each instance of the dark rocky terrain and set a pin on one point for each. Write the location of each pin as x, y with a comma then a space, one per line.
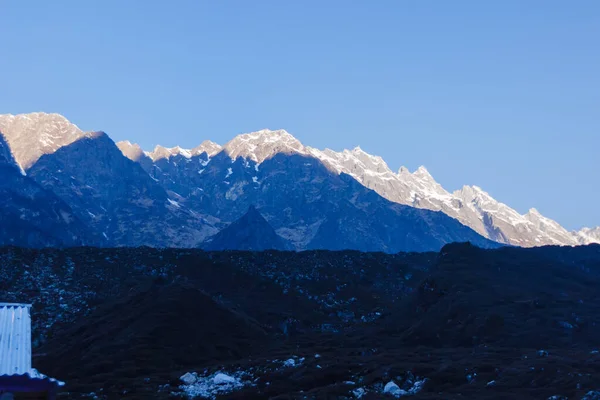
114, 196
251, 232
463, 323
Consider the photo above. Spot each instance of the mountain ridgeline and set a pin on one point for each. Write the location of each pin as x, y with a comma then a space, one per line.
263, 190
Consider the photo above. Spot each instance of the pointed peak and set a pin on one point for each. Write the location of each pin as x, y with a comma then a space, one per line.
469, 192
250, 232
423, 173
32, 135
133, 151
403, 170
126, 143
209, 147
96, 135
422, 170
161, 152
261, 145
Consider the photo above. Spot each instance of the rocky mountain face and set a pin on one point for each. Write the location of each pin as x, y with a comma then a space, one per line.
589, 235
251, 232
32, 135
312, 198
116, 197
304, 201
471, 205
32, 216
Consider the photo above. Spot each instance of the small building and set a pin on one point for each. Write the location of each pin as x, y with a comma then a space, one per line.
18, 380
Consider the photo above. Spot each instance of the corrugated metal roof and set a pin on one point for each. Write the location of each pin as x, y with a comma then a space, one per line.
15, 339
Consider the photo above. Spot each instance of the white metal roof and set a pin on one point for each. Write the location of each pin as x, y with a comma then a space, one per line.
15, 339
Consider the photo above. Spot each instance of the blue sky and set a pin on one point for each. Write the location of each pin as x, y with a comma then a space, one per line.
500, 94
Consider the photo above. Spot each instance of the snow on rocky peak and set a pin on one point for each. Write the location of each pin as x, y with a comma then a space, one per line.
30, 136
208, 147
261, 145
133, 151
161, 152
588, 235
471, 205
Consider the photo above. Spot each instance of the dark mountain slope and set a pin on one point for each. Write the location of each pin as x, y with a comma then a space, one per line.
251, 232
31, 216
309, 205
116, 197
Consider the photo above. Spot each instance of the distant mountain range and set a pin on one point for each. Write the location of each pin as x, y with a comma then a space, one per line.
120, 195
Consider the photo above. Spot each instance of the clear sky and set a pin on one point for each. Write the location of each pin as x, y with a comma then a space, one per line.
500, 94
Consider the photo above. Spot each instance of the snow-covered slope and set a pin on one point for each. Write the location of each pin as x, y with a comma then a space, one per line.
30, 136
160, 152
588, 235
261, 145
471, 205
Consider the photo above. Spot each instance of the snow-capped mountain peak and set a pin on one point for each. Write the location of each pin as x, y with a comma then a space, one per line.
133, 151
588, 235
161, 152
423, 173
30, 136
473, 193
209, 147
261, 145
534, 216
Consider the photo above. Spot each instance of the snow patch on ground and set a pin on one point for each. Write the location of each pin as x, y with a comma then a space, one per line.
174, 203
211, 386
237, 190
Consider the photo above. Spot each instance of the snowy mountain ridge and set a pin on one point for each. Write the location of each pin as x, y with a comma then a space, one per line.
31, 136
471, 205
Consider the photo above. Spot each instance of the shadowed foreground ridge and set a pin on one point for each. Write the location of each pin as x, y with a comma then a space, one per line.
486, 324
251, 232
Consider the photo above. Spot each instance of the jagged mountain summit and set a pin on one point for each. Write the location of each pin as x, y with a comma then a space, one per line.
312, 198
251, 232
115, 197
589, 235
30, 136
471, 205
182, 197
307, 203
